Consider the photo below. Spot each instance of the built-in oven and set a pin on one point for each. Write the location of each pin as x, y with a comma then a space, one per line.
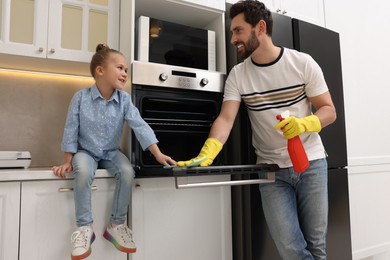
180, 104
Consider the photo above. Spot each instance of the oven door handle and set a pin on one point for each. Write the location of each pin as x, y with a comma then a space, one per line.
181, 182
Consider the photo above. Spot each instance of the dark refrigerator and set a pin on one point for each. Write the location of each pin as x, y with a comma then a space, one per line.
251, 238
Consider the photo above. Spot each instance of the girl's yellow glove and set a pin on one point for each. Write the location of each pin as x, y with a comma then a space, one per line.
209, 151
292, 126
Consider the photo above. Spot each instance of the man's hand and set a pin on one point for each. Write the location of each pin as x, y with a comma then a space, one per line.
292, 126
209, 151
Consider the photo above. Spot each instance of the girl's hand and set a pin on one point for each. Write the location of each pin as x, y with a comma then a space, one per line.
160, 157
165, 160
62, 169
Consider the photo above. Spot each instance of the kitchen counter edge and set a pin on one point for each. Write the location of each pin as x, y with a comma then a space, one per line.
34, 174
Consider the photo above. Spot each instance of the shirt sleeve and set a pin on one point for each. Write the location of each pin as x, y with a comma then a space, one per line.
143, 132
72, 124
231, 91
316, 84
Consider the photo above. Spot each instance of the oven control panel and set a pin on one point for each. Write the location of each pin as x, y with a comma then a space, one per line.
153, 74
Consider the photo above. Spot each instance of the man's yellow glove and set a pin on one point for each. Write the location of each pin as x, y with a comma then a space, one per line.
292, 126
209, 151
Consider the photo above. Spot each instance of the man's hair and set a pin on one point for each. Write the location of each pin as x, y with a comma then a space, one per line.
254, 11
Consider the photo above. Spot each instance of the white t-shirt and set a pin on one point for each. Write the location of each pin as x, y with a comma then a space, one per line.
270, 89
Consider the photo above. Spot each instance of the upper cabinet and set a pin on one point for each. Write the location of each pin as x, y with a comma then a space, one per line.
58, 29
311, 11
216, 4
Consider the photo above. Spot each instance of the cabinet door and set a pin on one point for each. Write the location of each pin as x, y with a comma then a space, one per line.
311, 11
23, 29
185, 224
9, 220
47, 220
214, 4
77, 26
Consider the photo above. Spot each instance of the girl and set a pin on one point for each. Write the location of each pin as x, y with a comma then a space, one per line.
91, 140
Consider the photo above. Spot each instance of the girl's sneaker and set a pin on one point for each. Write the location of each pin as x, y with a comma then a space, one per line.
121, 237
81, 240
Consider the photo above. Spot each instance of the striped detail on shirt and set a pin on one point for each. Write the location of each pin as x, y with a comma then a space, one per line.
277, 98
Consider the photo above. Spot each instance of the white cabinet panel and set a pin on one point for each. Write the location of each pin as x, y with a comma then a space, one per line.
215, 4
311, 11
188, 224
15, 37
9, 220
47, 220
63, 30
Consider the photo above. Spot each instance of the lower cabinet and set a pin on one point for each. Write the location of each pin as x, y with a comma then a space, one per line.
9, 220
47, 220
185, 224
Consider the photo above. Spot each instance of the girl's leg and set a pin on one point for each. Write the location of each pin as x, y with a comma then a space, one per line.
84, 167
123, 172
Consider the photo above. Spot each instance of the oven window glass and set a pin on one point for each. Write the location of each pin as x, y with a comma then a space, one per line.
181, 120
178, 45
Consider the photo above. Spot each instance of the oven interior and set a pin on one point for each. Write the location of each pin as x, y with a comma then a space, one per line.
181, 120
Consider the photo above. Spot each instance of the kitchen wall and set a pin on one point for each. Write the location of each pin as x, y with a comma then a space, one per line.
364, 39
33, 110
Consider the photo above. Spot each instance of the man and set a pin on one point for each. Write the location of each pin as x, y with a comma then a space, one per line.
271, 80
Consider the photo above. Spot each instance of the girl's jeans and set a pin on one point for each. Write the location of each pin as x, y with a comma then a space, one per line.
84, 167
296, 210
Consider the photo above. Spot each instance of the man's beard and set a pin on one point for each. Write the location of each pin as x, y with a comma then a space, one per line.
251, 45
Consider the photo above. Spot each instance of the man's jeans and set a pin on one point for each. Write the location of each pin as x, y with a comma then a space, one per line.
84, 168
296, 210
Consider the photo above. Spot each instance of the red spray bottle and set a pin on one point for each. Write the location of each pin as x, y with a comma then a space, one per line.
295, 149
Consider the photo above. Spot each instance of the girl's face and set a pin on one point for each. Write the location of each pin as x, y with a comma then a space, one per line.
114, 71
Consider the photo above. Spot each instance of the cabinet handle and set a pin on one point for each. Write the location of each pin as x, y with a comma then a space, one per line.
40, 49
278, 10
71, 189
52, 50
284, 12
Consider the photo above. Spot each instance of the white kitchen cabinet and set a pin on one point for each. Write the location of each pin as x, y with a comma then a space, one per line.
311, 11
213, 4
58, 29
47, 220
185, 224
9, 220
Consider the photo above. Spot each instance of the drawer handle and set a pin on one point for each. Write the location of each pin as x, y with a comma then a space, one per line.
93, 188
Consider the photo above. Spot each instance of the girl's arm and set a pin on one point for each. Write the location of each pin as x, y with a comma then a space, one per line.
160, 157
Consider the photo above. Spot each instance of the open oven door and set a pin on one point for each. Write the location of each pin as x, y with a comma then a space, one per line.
265, 173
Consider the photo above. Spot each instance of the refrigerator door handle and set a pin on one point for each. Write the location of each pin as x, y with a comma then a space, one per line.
181, 182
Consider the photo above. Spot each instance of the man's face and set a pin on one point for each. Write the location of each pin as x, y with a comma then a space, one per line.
243, 37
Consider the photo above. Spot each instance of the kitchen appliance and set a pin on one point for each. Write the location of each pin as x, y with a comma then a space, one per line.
169, 43
15, 159
251, 238
180, 104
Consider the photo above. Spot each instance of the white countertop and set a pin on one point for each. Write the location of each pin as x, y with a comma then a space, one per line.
32, 174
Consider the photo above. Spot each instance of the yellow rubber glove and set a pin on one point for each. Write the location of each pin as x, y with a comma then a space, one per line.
292, 126
209, 151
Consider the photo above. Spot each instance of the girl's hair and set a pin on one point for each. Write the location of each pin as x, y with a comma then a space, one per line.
100, 57
254, 11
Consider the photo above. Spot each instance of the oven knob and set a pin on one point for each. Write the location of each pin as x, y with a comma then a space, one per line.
204, 82
163, 76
